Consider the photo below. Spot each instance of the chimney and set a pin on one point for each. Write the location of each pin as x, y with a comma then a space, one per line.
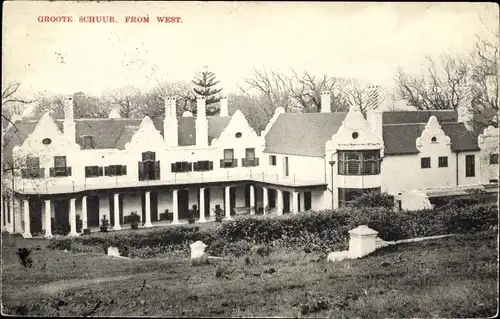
374, 119
464, 109
170, 124
69, 123
325, 102
223, 107
201, 123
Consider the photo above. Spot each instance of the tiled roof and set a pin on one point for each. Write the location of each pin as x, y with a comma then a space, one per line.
400, 117
400, 138
302, 133
114, 133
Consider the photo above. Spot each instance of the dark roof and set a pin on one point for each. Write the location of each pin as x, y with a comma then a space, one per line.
400, 139
302, 133
401, 117
114, 133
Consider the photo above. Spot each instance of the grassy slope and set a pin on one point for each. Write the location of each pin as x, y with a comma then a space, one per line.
453, 277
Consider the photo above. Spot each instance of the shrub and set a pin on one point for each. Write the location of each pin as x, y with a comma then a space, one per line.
374, 199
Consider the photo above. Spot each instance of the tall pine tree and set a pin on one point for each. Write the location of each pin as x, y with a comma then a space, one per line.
206, 86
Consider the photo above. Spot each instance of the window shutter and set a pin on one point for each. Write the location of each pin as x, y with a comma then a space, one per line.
68, 171
210, 165
106, 170
235, 162
124, 169
190, 167
141, 171
221, 163
172, 168
100, 171
52, 172
87, 171
195, 166
157, 170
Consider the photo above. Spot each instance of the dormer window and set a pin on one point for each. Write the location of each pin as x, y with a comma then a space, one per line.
433, 139
88, 142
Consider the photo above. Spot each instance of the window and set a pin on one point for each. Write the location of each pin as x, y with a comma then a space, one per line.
115, 170
250, 159
93, 171
228, 160
286, 165
272, 160
425, 162
493, 158
443, 161
148, 156
201, 166
359, 162
470, 166
32, 168
180, 167
88, 142
433, 139
59, 161
60, 168
347, 195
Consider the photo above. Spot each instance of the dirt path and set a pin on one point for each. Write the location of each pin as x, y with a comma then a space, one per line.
58, 286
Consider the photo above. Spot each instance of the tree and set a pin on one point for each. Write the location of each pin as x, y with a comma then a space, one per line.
126, 99
83, 106
12, 102
206, 86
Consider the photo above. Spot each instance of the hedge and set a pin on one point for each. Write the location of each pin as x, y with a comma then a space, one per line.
324, 230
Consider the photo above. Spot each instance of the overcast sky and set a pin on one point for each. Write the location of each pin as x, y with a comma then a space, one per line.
365, 41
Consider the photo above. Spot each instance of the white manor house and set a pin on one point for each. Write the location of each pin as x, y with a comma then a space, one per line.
87, 169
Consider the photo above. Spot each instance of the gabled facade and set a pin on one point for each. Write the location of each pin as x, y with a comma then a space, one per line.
90, 169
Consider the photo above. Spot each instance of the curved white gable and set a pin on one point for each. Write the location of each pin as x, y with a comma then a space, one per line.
432, 130
489, 136
238, 124
354, 123
277, 113
147, 137
46, 128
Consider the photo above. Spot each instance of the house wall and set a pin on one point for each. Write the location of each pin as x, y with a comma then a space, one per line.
302, 168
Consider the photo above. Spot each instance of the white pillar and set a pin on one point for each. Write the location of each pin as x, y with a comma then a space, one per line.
227, 203
175, 207
295, 202
48, 219
18, 216
265, 200
202, 206
117, 226
147, 207
279, 202
252, 200
302, 202
72, 217
26, 217
84, 213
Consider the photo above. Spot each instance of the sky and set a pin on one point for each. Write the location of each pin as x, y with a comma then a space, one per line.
367, 41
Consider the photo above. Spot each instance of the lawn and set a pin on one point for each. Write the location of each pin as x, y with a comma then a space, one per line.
451, 277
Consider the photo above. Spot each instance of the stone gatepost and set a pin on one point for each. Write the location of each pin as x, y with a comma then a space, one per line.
362, 241
198, 251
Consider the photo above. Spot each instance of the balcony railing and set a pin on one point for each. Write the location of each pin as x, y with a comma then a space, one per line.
224, 163
245, 162
60, 171
33, 173
58, 186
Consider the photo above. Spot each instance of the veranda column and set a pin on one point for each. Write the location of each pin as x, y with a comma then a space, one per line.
302, 202
147, 207
10, 214
264, 199
175, 207
72, 217
279, 202
295, 202
84, 213
18, 216
252, 200
227, 203
48, 219
117, 226
26, 217
202, 206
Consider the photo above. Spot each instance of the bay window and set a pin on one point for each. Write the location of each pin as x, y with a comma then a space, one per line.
359, 162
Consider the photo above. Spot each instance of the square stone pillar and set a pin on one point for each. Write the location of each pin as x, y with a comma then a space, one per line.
9, 218
295, 202
147, 207
72, 217
302, 202
252, 200
202, 206
175, 207
26, 217
48, 219
84, 213
265, 200
17, 214
362, 241
117, 226
227, 203
279, 202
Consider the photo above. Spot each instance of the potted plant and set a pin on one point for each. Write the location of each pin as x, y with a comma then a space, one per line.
104, 224
192, 213
219, 213
86, 231
134, 220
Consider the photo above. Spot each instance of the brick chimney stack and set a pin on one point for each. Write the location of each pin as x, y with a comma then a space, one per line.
170, 123
69, 125
325, 102
201, 122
